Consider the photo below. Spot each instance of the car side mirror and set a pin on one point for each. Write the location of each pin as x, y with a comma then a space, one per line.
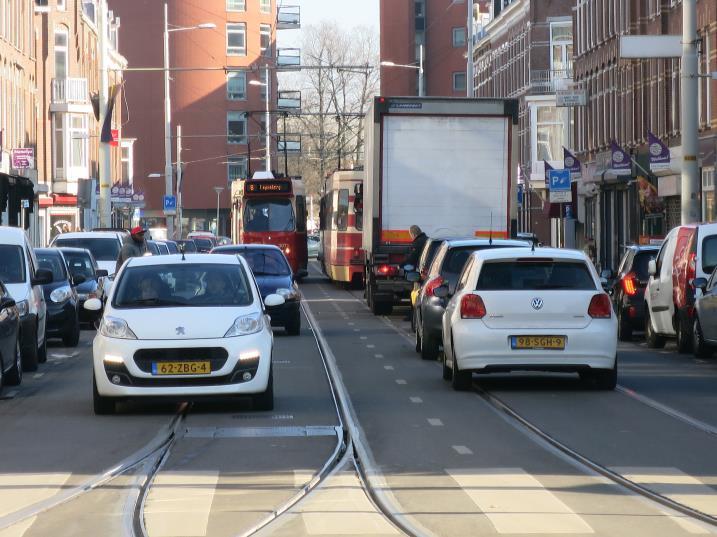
700, 283
274, 300
441, 291
7, 302
93, 304
413, 277
77, 280
42, 277
102, 273
652, 267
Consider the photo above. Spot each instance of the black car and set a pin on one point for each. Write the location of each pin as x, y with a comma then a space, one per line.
188, 245
273, 275
10, 361
63, 319
203, 245
424, 263
172, 247
628, 289
88, 279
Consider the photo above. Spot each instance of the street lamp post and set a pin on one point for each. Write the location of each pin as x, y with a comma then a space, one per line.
410, 66
267, 114
168, 187
218, 190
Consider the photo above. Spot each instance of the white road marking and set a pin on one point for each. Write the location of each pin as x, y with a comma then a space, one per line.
38, 375
416, 400
378, 355
388, 367
435, 422
357, 329
10, 394
400, 381
462, 450
515, 502
21, 490
179, 503
370, 346
363, 337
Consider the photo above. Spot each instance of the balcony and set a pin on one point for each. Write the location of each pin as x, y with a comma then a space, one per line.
288, 58
289, 100
549, 80
70, 95
288, 18
289, 145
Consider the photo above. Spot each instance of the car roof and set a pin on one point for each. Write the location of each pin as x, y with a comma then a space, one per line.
644, 247
74, 250
12, 235
90, 235
226, 247
178, 259
539, 253
453, 243
51, 251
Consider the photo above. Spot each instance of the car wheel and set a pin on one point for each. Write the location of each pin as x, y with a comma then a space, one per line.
461, 380
14, 376
103, 406
624, 328
684, 334
653, 340
418, 339
42, 351
429, 346
699, 346
605, 379
293, 327
72, 337
30, 351
447, 373
265, 399
413, 319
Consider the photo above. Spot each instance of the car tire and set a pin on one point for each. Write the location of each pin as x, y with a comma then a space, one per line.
293, 327
103, 406
624, 328
684, 334
72, 337
700, 347
413, 319
429, 346
265, 399
42, 351
14, 375
653, 340
605, 379
447, 373
30, 357
418, 340
461, 381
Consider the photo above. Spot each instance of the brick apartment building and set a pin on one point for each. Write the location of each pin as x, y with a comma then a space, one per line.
221, 113
440, 26
625, 100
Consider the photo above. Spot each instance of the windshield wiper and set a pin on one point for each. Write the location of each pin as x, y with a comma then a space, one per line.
153, 302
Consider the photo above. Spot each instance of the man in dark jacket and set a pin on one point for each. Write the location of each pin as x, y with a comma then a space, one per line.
133, 246
419, 241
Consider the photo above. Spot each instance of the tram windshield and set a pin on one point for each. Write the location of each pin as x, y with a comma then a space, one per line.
269, 215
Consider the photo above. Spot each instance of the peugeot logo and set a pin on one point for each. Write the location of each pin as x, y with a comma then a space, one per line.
179, 330
537, 303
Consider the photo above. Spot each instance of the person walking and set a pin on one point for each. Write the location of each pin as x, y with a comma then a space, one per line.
419, 239
133, 246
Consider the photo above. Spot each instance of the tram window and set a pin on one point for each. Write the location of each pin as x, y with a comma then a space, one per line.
322, 213
342, 214
358, 207
269, 215
300, 213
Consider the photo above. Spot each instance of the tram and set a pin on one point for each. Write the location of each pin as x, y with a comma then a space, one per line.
341, 224
269, 210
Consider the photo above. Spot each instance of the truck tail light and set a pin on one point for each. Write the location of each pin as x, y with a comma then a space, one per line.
629, 284
432, 285
600, 307
387, 270
472, 307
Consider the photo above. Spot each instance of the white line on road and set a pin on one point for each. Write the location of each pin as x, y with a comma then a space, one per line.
435, 422
388, 367
462, 450
401, 381
38, 375
378, 355
370, 346
416, 400
363, 337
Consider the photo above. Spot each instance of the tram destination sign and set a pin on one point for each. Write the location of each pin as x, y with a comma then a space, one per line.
268, 186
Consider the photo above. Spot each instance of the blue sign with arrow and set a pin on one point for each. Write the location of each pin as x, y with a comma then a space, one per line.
559, 180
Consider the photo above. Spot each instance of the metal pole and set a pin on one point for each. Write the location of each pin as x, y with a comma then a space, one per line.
286, 151
420, 72
268, 120
690, 176
218, 192
180, 176
469, 57
105, 156
167, 124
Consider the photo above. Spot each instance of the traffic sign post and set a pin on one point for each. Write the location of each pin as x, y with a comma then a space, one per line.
170, 205
559, 184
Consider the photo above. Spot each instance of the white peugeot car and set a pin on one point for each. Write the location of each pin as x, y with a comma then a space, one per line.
183, 327
529, 310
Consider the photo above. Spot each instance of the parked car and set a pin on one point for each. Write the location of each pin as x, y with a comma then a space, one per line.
204, 244
23, 278
704, 333
529, 310
153, 248
63, 313
183, 328
223, 241
88, 278
10, 356
689, 252
447, 265
172, 247
628, 289
104, 245
188, 245
273, 275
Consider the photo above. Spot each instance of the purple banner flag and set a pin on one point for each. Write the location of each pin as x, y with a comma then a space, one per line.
659, 153
620, 160
548, 167
570, 162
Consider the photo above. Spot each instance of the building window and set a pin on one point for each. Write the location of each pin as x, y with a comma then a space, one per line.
236, 127
561, 47
61, 5
262, 77
236, 168
89, 8
265, 36
459, 37
127, 162
61, 56
236, 39
236, 85
459, 81
59, 149
78, 140
549, 132
236, 5
265, 6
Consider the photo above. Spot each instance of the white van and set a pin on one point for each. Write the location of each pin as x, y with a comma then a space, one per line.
104, 245
24, 280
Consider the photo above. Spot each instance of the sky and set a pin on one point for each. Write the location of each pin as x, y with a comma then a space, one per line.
347, 13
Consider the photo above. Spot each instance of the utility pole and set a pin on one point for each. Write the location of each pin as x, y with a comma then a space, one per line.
168, 175
420, 72
178, 229
105, 156
469, 56
267, 123
690, 141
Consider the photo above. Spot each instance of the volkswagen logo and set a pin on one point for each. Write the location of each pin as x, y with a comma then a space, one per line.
180, 330
537, 303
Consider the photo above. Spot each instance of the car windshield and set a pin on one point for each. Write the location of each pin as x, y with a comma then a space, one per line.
12, 264
269, 215
183, 285
53, 263
103, 249
641, 262
456, 258
534, 275
709, 254
266, 262
203, 244
80, 265
189, 246
172, 247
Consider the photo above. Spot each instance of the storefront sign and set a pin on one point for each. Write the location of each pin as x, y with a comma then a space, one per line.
620, 160
23, 157
570, 97
659, 153
570, 162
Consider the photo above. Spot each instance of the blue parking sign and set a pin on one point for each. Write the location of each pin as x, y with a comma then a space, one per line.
559, 180
170, 205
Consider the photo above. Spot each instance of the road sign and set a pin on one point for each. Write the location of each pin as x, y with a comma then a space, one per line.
650, 46
559, 180
571, 97
170, 205
25, 204
561, 196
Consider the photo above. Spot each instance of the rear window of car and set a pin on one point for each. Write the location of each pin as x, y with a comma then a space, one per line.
189, 246
709, 254
103, 249
640, 263
80, 265
12, 264
456, 258
534, 275
429, 255
204, 243
53, 263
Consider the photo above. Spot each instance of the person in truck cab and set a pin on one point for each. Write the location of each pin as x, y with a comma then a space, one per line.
419, 241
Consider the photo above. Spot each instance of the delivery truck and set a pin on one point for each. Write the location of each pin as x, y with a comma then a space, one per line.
448, 165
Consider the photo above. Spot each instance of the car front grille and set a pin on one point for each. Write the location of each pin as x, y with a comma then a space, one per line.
217, 356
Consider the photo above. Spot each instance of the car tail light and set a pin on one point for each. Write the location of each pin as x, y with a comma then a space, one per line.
600, 307
472, 307
432, 285
387, 270
630, 284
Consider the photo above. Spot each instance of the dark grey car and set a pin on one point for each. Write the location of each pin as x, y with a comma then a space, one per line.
704, 331
445, 269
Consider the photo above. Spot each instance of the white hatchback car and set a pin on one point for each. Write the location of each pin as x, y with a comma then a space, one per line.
529, 310
183, 327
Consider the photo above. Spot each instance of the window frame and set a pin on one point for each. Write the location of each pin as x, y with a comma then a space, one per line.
455, 31
455, 76
241, 117
236, 74
238, 28
236, 9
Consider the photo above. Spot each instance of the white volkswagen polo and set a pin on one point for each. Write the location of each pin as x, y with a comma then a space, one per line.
183, 327
529, 310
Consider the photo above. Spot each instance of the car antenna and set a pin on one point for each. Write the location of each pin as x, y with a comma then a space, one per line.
182, 248
490, 232
532, 246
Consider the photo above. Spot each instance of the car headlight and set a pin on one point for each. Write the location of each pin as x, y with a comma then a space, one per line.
116, 328
245, 325
286, 294
61, 294
23, 307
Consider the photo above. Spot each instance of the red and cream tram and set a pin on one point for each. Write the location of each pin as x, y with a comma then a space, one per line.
341, 224
268, 210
